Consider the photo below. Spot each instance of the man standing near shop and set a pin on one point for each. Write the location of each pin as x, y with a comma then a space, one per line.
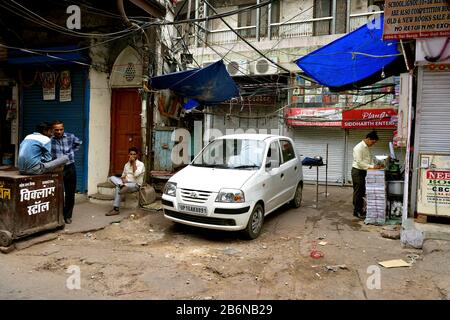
362, 161
64, 143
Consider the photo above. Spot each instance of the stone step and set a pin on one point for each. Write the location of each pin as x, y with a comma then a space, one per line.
101, 196
106, 188
106, 184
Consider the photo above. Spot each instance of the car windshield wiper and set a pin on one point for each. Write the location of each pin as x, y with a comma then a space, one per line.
247, 166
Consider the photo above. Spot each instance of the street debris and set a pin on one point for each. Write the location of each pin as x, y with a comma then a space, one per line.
90, 236
391, 232
230, 251
321, 237
396, 263
413, 258
323, 243
318, 275
314, 253
336, 267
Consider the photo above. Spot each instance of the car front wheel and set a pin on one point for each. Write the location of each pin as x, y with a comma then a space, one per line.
255, 222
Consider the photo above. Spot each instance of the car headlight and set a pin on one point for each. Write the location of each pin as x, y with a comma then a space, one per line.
230, 196
170, 189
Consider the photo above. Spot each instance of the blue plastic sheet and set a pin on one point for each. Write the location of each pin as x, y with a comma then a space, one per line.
210, 85
358, 59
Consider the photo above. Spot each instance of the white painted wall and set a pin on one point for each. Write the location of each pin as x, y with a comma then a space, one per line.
297, 10
99, 129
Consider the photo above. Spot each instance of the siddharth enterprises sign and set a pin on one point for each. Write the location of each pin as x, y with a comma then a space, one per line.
413, 19
369, 119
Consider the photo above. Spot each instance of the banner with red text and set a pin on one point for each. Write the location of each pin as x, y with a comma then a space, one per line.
369, 118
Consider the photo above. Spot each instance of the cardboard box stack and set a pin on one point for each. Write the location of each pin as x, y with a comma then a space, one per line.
376, 197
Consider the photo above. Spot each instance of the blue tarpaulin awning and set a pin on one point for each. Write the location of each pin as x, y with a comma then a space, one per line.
55, 55
210, 85
358, 59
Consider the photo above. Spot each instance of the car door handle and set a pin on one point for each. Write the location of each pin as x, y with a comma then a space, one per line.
295, 168
282, 175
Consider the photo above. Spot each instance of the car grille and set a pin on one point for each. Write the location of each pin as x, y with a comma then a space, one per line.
200, 219
194, 196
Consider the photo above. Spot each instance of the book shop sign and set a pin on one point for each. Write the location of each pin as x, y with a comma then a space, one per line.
369, 118
411, 19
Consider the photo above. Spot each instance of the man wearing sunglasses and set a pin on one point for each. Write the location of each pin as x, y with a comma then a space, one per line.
131, 180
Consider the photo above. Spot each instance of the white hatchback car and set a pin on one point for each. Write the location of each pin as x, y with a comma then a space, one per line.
234, 182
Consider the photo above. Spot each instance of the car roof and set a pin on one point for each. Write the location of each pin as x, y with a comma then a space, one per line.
252, 136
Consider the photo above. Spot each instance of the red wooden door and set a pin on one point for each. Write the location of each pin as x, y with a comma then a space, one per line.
126, 126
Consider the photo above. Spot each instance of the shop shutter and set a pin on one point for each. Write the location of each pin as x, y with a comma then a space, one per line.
35, 110
433, 113
381, 147
312, 141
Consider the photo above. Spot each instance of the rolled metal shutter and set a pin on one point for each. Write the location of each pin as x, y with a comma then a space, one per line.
381, 147
433, 113
312, 141
72, 113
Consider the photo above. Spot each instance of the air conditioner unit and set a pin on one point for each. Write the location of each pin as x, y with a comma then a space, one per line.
238, 67
264, 66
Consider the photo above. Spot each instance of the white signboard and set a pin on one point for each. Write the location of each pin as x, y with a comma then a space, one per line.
434, 185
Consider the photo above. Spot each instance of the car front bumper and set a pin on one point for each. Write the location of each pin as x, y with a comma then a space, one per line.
220, 216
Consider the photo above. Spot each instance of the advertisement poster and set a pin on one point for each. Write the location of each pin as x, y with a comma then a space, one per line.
405, 19
48, 85
65, 87
314, 117
369, 118
433, 196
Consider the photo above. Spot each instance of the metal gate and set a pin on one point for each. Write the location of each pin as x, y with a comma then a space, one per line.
433, 113
312, 141
432, 123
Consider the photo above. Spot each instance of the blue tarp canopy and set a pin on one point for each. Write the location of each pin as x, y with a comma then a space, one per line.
54, 55
355, 60
210, 85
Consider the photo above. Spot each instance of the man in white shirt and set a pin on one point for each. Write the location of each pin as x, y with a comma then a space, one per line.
131, 180
362, 161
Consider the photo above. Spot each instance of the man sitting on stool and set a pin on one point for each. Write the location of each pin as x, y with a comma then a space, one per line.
131, 180
35, 152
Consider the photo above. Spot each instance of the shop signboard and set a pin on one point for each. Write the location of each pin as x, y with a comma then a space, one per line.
369, 119
406, 19
314, 117
433, 196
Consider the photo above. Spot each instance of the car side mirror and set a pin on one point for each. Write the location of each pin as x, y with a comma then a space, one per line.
272, 164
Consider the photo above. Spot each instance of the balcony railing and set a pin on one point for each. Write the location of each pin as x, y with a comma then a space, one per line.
306, 28
282, 30
224, 36
357, 20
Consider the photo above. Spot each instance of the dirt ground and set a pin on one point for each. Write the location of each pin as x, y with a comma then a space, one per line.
148, 257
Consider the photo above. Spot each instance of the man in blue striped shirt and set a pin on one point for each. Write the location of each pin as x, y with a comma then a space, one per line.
35, 152
65, 144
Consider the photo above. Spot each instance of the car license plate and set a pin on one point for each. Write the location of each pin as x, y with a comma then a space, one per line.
192, 209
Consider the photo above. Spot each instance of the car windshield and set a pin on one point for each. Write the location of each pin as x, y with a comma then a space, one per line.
244, 154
